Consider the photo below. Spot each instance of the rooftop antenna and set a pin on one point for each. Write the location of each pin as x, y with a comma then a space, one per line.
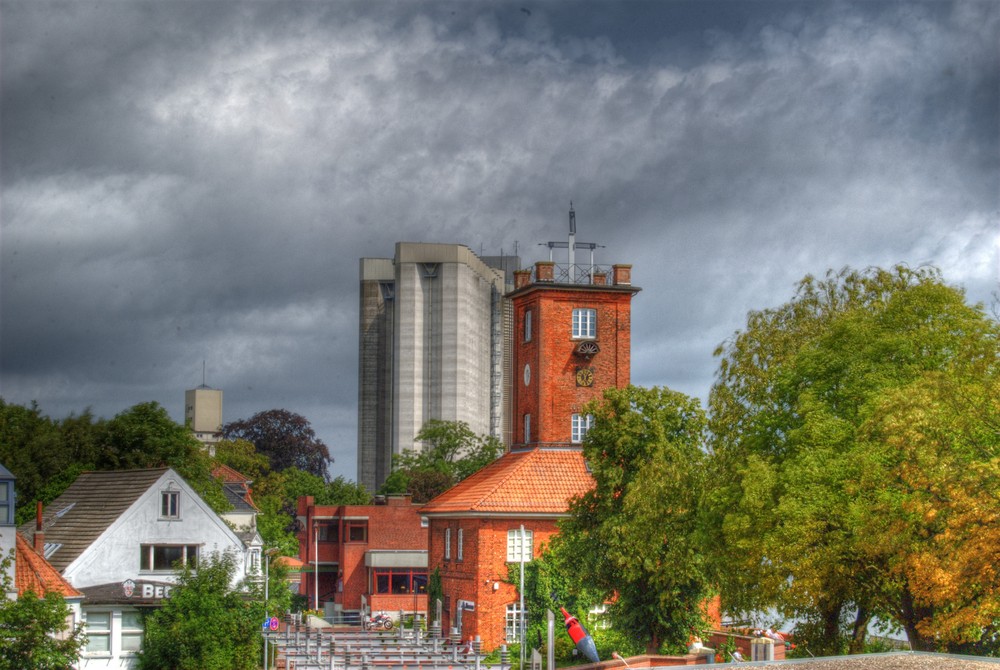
203, 372
571, 246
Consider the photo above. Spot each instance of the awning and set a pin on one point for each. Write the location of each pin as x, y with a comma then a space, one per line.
395, 559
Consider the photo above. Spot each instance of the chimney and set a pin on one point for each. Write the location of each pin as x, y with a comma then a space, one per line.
622, 275
39, 533
544, 271
522, 278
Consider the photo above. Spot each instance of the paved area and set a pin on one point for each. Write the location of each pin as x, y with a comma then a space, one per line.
900, 661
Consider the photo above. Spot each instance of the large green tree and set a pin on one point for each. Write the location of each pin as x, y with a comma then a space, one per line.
634, 538
207, 623
33, 630
451, 452
791, 399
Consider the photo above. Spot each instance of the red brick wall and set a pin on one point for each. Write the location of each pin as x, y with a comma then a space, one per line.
394, 526
484, 563
552, 395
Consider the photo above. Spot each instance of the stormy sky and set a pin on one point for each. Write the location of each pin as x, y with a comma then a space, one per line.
196, 181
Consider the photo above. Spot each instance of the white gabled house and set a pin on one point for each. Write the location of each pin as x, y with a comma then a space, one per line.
115, 536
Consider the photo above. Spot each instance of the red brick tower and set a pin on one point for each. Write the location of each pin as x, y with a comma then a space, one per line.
572, 341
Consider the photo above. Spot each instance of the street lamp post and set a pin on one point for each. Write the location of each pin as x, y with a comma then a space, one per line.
267, 581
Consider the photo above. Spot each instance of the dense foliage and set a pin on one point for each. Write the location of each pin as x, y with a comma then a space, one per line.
47, 455
285, 438
450, 453
633, 540
33, 630
207, 623
855, 457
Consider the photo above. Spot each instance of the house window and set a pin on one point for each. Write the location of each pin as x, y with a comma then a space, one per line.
514, 545
424, 522
98, 632
527, 428
328, 532
254, 561
6, 503
170, 505
459, 549
131, 631
527, 325
162, 557
447, 544
584, 323
512, 624
400, 580
357, 531
581, 424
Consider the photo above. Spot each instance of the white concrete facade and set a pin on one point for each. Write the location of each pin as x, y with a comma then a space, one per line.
446, 354
203, 413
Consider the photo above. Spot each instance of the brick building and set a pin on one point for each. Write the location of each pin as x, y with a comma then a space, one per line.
371, 556
571, 342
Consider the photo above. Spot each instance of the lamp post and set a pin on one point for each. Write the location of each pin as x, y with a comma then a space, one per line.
316, 565
266, 554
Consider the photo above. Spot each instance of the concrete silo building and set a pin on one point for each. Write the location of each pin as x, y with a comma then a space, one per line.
431, 346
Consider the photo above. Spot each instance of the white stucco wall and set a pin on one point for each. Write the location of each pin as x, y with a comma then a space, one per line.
115, 555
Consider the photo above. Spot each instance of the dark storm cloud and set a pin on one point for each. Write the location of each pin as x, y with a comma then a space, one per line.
188, 182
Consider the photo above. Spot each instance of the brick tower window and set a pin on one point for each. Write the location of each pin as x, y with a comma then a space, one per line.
581, 424
584, 323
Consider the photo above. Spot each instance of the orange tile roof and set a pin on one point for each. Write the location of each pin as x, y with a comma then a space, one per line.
34, 573
229, 475
534, 481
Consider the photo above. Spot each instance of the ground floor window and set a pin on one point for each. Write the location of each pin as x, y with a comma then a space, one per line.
512, 624
519, 544
400, 580
98, 632
131, 631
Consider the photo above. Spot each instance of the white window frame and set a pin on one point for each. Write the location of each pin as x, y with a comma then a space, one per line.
512, 623
527, 428
147, 563
135, 632
581, 423
459, 548
447, 544
584, 323
170, 504
514, 545
527, 325
102, 633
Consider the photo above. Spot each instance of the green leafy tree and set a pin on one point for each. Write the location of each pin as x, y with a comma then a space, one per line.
287, 440
43, 454
451, 452
791, 396
634, 538
207, 623
33, 629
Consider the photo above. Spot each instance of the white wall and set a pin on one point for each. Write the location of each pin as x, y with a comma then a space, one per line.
114, 556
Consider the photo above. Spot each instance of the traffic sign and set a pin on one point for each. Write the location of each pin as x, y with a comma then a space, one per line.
273, 623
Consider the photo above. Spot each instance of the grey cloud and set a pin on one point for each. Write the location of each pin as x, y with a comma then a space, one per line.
188, 182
